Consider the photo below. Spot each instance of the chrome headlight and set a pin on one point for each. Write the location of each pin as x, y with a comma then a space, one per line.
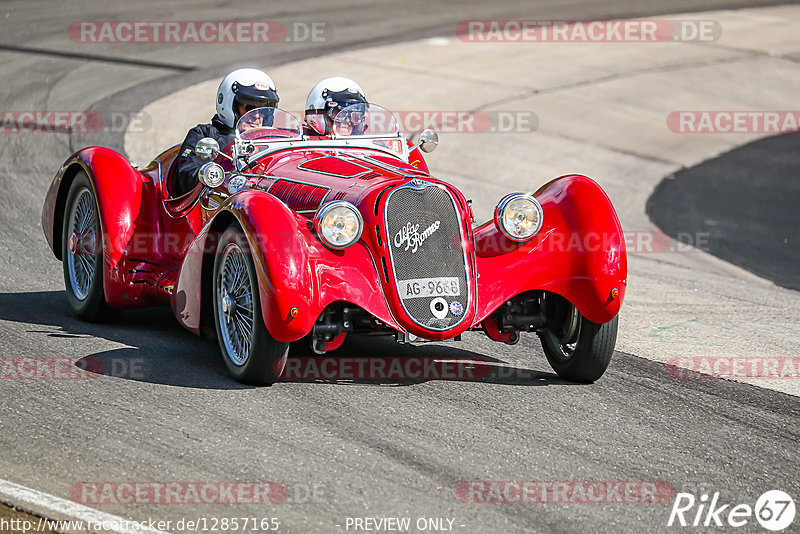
338, 224
518, 216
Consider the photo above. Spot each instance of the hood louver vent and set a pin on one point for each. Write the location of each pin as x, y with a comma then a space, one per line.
298, 196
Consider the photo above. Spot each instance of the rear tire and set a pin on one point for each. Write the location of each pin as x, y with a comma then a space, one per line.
579, 350
83, 265
251, 354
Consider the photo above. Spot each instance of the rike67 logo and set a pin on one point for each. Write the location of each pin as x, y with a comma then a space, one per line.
774, 510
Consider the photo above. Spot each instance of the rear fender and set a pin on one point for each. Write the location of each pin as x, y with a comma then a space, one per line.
579, 253
118, 190
294, 269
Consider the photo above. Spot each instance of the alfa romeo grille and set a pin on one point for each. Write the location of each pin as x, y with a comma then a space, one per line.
427, 255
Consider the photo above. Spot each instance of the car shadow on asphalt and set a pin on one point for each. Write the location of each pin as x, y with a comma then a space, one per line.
158, 350
371, 360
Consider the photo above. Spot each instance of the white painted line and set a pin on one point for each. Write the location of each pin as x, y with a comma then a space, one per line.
17, 495
438, 41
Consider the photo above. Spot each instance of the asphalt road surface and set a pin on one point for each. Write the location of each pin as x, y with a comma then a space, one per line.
739, 209
166, 410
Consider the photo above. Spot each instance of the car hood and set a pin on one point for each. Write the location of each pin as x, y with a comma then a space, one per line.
305, 179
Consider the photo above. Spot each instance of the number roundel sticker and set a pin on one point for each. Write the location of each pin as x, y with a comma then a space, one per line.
439, 308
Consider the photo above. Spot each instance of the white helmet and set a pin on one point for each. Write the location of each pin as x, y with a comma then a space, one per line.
250, 86
327, 98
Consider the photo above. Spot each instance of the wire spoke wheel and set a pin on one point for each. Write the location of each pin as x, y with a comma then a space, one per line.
82, 252
251, 354
234, 304
81, 260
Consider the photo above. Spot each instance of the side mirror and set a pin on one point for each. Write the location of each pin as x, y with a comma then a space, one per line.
206, 149
428, 141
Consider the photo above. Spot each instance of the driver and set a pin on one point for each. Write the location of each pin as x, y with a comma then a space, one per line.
327, 99
240, 91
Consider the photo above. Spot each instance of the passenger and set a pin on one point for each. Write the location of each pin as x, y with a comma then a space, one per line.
326, 100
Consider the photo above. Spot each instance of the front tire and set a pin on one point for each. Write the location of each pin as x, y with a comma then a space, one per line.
578, 349
82, 253
251, 354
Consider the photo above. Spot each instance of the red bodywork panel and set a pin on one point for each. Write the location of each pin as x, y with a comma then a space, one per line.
579, 253
143, 245
155, 256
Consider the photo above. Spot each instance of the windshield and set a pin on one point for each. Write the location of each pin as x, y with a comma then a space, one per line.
268, 123
365, 120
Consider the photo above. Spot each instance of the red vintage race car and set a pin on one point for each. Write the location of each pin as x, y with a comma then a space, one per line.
289, 237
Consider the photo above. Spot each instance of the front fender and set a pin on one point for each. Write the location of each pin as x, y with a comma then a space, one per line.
579, 253
294, 269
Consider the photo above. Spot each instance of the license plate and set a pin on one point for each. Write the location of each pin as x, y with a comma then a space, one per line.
429, 287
